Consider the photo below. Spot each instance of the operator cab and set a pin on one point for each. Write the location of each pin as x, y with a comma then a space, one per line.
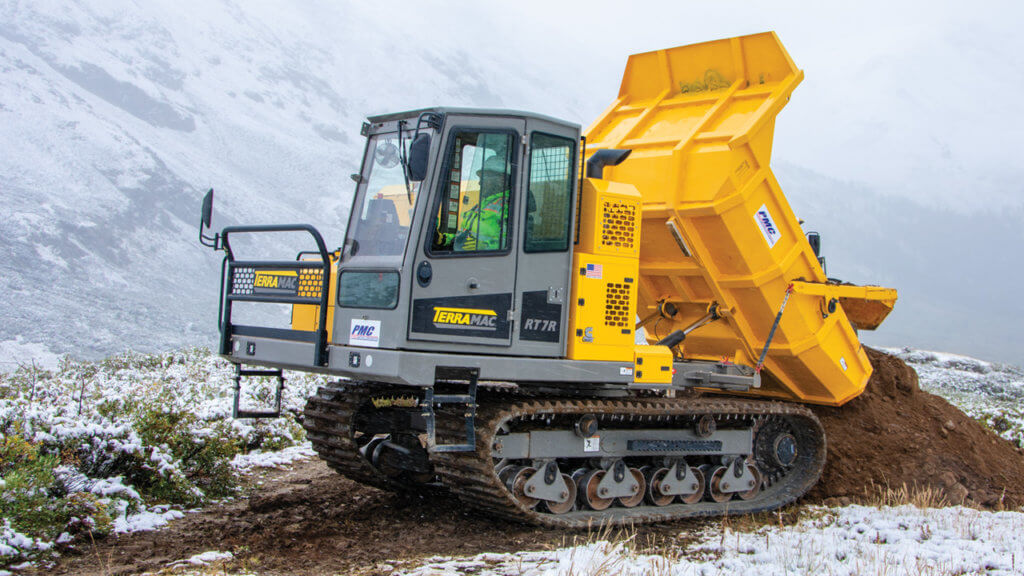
461, 232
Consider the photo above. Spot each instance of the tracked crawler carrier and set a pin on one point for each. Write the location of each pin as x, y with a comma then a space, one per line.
483, 312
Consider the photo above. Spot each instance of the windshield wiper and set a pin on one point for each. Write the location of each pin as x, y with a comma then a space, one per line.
405, 162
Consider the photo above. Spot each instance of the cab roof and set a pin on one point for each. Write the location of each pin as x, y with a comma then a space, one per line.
381, 118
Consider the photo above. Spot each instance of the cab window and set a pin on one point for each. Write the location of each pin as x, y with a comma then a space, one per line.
379, 224
549, 195
474, 209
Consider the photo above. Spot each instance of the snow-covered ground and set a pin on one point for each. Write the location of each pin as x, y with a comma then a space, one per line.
836, 541
103, 424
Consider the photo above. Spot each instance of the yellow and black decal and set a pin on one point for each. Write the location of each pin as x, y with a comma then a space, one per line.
540, 321
251, 281
484, 316
276, 282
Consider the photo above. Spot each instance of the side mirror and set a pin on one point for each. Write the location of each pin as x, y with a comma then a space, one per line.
205, 219
419, 155
207, 216
814, 239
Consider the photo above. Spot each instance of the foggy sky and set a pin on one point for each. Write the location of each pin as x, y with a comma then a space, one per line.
913, 99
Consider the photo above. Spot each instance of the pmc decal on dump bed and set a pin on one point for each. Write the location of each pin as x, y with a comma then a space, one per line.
767, 225
484, 316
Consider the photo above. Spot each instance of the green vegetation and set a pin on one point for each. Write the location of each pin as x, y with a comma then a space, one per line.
96, 447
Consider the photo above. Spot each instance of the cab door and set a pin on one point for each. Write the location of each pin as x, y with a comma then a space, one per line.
544, 262
464, 273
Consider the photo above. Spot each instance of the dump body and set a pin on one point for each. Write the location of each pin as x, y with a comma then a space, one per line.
716, 227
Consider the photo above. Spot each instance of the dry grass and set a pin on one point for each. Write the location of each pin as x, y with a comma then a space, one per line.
913, 495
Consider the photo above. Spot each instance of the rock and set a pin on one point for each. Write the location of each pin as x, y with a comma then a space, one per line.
957, 493
838, 502
948, 479
949, 425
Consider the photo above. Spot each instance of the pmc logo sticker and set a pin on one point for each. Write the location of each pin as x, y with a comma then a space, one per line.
466, 318
364, 333
767, 225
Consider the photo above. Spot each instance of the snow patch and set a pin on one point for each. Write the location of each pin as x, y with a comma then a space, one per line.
274, 459
145, 520
838, 541
20, 352
205, 558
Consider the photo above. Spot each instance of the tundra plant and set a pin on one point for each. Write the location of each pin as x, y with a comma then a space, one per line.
123, 444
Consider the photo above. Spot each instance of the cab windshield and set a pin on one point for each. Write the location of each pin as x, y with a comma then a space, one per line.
382, 212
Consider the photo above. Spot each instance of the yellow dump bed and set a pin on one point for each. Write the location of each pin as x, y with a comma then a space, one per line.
718, 229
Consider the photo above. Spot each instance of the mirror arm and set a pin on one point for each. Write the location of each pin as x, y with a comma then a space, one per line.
209, 241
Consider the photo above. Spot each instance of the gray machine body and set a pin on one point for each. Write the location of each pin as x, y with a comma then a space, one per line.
524, 288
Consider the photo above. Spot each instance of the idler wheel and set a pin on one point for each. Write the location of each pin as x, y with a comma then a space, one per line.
641, 484
516, 484
567, 505
715, 485
655, 477
753, 492
699, 492
505, 472
586, 487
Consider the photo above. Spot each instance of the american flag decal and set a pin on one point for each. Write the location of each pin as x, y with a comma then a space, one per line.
595, 271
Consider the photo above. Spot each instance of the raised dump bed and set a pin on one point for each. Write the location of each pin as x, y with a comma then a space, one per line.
717, 229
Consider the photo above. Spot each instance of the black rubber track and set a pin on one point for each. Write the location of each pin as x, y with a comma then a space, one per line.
471, 475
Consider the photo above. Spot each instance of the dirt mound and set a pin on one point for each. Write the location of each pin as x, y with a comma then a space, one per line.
896, 434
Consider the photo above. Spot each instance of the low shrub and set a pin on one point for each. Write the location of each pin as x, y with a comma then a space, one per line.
87, 446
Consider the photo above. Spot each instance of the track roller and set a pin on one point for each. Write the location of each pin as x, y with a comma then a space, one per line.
568, 504
758, 481
653, 478
638, 497
697, 494
714, 484
515, 481
587, 488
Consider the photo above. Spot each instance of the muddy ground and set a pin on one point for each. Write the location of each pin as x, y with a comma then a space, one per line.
309, 520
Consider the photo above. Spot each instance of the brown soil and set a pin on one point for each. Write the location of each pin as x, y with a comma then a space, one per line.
896, 434
309, 520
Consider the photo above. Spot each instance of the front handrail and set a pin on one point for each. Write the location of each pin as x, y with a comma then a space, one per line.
230, 265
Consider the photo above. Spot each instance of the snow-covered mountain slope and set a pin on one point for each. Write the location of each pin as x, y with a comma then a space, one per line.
116, 116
